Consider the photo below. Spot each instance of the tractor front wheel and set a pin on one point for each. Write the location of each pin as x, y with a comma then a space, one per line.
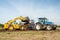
49, 27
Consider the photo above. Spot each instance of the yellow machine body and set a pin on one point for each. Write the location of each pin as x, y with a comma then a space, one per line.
10, 25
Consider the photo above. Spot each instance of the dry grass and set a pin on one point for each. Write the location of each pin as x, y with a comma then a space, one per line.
30, 35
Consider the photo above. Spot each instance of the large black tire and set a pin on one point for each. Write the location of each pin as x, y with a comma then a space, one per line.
38, 26
54, 27
11, 27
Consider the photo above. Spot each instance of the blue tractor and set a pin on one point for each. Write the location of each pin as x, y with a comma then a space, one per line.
44, 24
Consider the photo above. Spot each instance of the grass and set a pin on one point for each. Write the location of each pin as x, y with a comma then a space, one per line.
30, 35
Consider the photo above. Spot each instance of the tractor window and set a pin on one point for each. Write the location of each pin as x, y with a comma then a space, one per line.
42, 20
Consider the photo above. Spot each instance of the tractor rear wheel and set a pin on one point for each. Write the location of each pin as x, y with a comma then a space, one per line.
38, 26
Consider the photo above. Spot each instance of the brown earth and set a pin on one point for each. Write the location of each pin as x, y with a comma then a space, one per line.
30, 35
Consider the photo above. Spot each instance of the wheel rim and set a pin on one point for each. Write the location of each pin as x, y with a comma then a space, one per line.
22, 28
38, 27
49, 28
11, 28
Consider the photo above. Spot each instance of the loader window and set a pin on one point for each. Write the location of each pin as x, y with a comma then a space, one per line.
15, 23
18, 21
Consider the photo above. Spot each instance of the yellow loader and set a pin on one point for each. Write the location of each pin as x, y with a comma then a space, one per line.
11, 25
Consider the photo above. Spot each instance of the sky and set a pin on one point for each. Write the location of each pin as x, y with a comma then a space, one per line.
10, 9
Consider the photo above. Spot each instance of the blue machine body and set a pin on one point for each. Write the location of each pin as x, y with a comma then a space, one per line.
45, 21
49, 23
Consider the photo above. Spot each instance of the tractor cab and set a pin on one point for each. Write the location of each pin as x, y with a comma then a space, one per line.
44, 21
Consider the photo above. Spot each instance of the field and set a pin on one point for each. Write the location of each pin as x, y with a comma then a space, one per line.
30, 35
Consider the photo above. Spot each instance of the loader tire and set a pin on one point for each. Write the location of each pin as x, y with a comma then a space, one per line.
11, 27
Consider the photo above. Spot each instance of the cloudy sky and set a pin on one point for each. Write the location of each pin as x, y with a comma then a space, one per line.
10, 9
